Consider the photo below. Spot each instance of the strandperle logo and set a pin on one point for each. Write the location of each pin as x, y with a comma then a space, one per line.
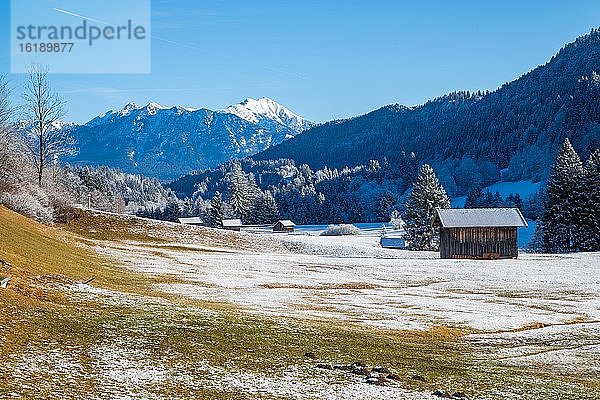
89, 33
81, 36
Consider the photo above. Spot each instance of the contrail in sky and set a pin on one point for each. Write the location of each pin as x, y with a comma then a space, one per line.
79, 16
106, 23
177, 43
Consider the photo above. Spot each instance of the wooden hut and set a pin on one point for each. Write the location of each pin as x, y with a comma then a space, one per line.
481, 233
232, 224
284, 225
392, 242
196, 221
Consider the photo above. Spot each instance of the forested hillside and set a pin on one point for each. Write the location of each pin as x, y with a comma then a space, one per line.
473, 138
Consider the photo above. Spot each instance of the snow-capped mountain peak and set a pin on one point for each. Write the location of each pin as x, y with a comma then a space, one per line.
167, 142
128, 109
253, 110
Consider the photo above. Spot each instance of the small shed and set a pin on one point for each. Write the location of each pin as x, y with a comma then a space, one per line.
232, 224
284, 225
479, 233
392, 242
196, 221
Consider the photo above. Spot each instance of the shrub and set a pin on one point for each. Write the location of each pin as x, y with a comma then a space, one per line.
64, 211
341, 230
33, 204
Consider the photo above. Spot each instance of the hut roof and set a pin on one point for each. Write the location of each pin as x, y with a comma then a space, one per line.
287, 223
232, 222
480, 218
190, 221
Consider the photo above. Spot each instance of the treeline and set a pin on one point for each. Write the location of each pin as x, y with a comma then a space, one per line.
365, 193
477, 198
571, 220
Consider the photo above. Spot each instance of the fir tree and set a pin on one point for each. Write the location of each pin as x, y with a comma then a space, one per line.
216, 211
385, 206
263, 210
590, 214
475, 198
241, 191
427, 196
563, 205
173, 209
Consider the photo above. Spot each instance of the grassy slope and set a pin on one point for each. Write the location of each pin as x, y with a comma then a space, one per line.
37, 320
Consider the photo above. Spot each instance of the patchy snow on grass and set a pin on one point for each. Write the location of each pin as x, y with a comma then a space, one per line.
301, 384
352, 279
128, 371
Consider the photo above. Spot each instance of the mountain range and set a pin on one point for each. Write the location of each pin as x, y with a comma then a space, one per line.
471, 138
167, 142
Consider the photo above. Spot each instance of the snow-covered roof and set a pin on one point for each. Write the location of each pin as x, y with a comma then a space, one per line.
480, 217
232, 222
190, 221
286, 222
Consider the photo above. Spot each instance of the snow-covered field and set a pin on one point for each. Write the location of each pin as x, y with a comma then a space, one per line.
539, 311
351, 279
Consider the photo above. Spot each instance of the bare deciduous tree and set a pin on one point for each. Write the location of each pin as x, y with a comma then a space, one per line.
5, 111
6, 133
44, 109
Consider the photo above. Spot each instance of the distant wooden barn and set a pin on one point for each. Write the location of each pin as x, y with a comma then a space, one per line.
232, 224
197, 221
482, 233
284, 225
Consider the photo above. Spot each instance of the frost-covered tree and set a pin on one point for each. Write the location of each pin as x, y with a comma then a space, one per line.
44, 109
590, 212
396, 220
385, 206
6, 142
563, 208
263, 210
427, 195
242, 191
14, 167
216, 211
173, 210
5, 113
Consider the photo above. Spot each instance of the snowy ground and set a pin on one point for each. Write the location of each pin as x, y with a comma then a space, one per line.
539, 311
352, 279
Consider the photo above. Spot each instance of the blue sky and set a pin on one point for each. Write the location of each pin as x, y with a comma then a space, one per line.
326, 59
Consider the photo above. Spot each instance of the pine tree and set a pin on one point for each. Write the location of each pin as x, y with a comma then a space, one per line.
427, 196
173, 209
475, 198
242, 191
590, 214
385, 206
216, 211
263, 210
562, 212
239, 196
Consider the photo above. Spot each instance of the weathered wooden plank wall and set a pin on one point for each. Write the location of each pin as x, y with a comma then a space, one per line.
477, 242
